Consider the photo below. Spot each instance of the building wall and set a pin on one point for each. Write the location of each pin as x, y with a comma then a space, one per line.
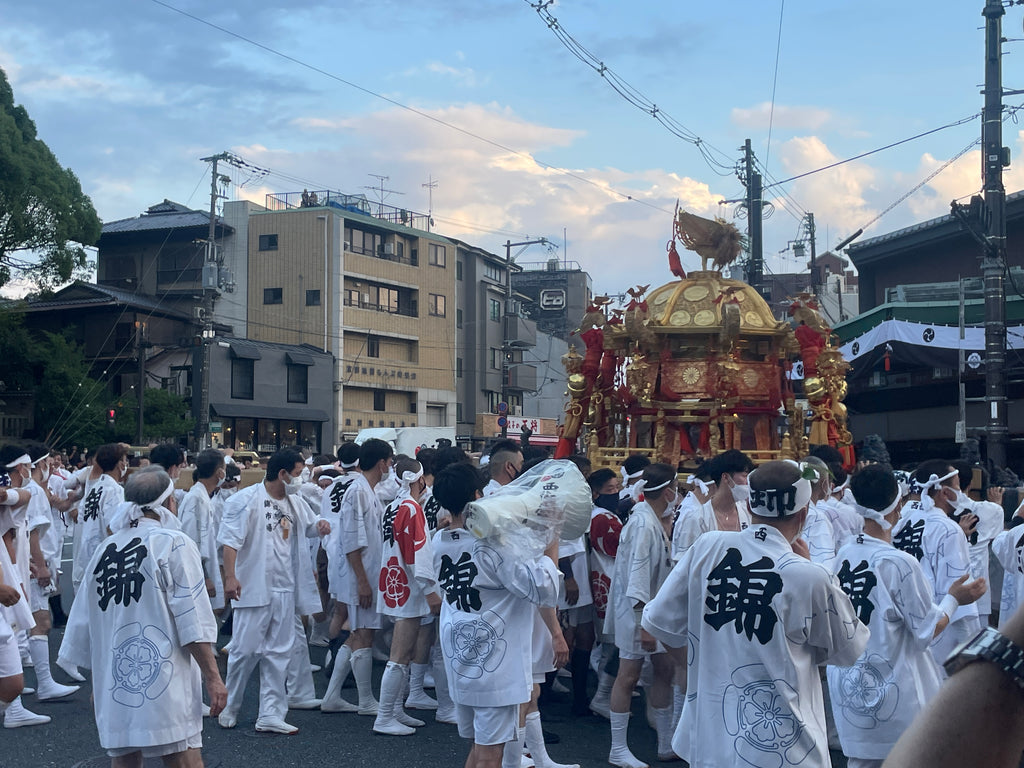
231, 308
549, 400
554, 277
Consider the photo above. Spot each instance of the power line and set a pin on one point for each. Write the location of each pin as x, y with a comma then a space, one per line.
775, 80
406, 107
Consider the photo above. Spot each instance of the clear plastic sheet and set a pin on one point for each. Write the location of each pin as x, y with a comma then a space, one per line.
551, 499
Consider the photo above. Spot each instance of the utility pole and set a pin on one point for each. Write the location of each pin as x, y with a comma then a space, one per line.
754, 202
814, 253
506, 335
201, 352
140, 351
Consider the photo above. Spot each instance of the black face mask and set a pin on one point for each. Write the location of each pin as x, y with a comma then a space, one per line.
608, 501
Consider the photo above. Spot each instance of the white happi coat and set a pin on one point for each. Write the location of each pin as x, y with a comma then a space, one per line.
330, 510
361, 517
875, 700
487, 617
1008, 547
820, 538
37, 520
757, 620
437, 516
846, 522
18, 616
195, 514
143, 599
990, 525
576, 552
642, 564
940, 545
406, 569
695, 519
95, 512
605, 531
251, 517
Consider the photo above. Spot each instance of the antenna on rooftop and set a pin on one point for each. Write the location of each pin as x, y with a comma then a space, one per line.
382, 194
431, 185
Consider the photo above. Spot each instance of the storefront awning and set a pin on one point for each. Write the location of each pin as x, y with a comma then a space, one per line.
299, 358
249, 411
244, 351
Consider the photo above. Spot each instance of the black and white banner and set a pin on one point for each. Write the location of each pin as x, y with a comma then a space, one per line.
942, 337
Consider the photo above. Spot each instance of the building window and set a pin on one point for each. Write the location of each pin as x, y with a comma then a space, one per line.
242, 379
458, 367
458, 270
298, 384
436, 255
458, 412
493, 272
379, 400
437, 305
273, 295
495, 309
268, 242
313, 298
495, 359
493, 398
412, 404
387, 300
372, 346
458, 317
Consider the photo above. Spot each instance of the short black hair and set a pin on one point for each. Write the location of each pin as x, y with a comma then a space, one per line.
348, 454
324, 458
582, 463
108, 455
937, 467
167, 455
874, 487
599, 477
635, 463
447, 456
37, 451
286, 459
505, 444
208, 462
232, 471
10, 452
655, 475
426, 456
456, 485
729, 463
833, 460
966, 472
373, 451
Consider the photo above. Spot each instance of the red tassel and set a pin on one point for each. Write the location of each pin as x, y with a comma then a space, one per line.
674, 263
888, 362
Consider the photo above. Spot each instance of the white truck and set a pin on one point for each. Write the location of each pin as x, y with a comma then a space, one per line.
408, 440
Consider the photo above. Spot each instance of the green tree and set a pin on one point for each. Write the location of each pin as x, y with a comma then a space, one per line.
165, 416
16, 374
45, 218
70, 404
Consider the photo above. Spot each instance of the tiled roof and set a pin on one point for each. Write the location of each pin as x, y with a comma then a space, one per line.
165, 215
83, 294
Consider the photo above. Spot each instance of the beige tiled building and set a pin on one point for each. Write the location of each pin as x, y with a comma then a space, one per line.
378, 294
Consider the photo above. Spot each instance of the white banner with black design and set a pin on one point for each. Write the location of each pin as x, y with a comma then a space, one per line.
925, 335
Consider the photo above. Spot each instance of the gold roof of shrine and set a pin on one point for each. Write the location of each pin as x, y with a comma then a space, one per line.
694, 305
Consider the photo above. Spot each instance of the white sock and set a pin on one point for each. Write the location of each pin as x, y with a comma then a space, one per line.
444, 699
620, 728
535, 740
604, 686
678, 699
512, 755
342, 666
416, 675
663, 721
362, 671
390, 691
39, 650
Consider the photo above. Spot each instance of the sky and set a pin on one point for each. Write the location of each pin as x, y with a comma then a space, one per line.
523, 139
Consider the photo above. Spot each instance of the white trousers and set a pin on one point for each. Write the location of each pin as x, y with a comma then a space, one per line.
300, 670
266, 635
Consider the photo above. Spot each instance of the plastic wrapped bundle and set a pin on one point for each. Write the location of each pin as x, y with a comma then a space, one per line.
550, 499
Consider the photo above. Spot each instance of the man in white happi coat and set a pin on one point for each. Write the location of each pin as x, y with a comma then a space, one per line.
988, 525
489, 596
195, 514
604, 533
337, 563
758, 618
360, 544
505, 465
1008, 548
99, 505
875, 700
642, 564
818, 531
845, 521
407, 593
143, 624
263, 529
725, 508
44, 554
928, 533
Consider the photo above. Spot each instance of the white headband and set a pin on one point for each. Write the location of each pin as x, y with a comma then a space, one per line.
842, 486
44, 456
627, 476
879, 517
350, 464
934, 481
408, 478
322, 467
642, 485
693, 480
308, 462
128, 512
23, 459
779, 502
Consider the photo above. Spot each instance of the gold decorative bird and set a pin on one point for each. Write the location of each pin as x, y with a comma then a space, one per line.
716, 240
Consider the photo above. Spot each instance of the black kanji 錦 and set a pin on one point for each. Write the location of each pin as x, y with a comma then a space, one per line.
387, 523
336, 494
743, 594
118, 573
858, 582
91, 505
430, 510
456, 579
957, 517
909, 539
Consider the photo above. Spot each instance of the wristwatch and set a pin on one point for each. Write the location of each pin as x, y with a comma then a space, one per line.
989, 645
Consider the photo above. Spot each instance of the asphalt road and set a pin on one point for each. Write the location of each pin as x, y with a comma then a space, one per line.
70, 741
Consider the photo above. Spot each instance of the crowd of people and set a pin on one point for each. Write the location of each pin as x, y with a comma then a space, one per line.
768, 614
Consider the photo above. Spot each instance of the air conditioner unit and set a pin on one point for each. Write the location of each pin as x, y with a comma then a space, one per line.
517, 410
366, 298
389, 249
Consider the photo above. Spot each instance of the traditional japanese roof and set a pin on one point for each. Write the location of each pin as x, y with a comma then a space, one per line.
165, 215
80, 294
694, 305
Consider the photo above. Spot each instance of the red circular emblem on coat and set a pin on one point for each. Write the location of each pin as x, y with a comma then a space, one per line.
599, 586
410, 531
394, 584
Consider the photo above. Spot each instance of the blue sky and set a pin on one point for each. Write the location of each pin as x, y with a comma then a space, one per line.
130, 94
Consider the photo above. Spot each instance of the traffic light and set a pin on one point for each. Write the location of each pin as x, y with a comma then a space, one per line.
111, 415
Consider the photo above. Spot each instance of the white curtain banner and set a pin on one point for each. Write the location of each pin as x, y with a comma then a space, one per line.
925, 335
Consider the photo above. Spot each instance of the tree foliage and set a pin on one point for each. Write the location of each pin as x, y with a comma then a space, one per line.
45, 218
165, 416
69, 403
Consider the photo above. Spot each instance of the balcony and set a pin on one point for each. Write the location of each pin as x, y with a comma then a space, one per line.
522, 377
406, 310
520, 333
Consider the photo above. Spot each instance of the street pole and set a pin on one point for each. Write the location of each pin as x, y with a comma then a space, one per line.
814, 253
506, 334
755, 272
140, 398
993, 259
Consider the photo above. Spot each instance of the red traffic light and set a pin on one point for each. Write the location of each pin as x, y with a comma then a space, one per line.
111, 413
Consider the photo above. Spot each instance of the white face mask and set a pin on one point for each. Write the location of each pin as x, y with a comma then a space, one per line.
740, 493
45, 474
962, 501
293, 485
220, 480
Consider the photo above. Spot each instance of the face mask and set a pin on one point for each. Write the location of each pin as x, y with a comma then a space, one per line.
220, 481
740, 493
46, 474
124, 471
608, 501
293, 485
961, 501
225, 493
673, 505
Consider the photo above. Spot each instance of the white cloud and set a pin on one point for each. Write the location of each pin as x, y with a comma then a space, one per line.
797, 118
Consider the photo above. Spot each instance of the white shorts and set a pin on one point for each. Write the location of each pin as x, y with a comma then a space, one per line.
577, 616
488, 726
38, 599
194, 741
362, 618
10, 656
